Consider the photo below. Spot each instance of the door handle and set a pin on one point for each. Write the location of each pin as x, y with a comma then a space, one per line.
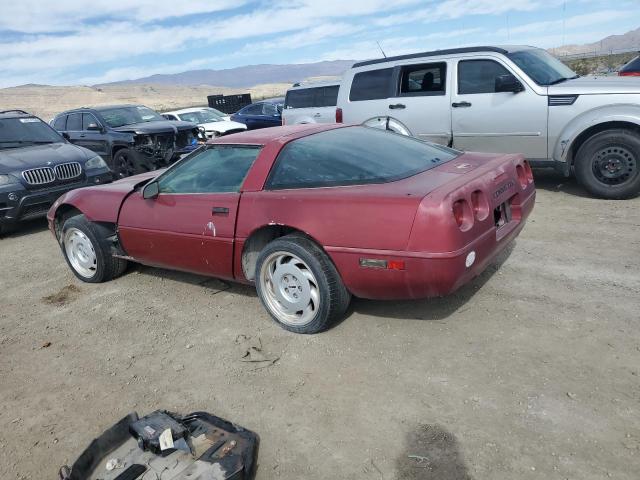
398, 106
460, 104
219, 211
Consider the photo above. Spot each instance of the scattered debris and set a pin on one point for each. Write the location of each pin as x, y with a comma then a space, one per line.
62, 297
45, 345
251, 351
572, 396
114, 463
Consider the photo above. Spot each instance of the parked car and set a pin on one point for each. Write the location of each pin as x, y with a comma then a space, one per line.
130, 138
314, 103
214, 125
310, 214
631, 69
267, 113
513, 99
37, 165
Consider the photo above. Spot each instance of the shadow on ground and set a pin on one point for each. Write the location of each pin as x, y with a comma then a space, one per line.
27, 228
431, 453
552, 181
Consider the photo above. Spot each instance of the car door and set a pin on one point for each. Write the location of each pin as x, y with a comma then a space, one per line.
489, 121
422, 101
93, 137
190, 224
250, 116
271, 116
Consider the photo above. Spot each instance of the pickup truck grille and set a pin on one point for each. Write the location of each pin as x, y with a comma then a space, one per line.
67, 171
39, 176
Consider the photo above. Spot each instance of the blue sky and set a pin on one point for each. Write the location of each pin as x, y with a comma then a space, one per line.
69, 42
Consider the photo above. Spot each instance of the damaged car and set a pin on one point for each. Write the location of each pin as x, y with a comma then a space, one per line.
214, 122
310, 214
132, 139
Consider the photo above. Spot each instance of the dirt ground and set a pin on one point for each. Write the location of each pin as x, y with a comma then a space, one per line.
530, 372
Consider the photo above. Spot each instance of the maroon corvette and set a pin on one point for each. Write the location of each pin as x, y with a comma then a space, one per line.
310, 214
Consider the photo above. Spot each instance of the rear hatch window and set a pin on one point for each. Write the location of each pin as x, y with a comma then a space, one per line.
312, 97
353, 156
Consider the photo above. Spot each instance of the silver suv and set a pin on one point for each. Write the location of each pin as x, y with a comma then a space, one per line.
512, 99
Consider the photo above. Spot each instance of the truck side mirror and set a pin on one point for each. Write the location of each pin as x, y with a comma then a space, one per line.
508, 83
151, 190
94, 127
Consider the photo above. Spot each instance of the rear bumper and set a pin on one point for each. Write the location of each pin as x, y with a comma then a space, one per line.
22, 204
425, 274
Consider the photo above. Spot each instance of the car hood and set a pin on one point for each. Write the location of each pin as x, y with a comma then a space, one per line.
223, 127
596, 85
48, 155
159, 126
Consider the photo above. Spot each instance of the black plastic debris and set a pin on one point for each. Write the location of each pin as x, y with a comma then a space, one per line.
198, 446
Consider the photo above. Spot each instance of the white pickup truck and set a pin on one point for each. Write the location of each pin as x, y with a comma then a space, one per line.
512, 99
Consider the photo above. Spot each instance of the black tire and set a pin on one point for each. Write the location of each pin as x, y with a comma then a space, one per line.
608, 164
126, 164
333, 296
106, 266
6, 229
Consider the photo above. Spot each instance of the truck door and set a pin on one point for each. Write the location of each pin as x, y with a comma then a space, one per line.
422, 99
486, 120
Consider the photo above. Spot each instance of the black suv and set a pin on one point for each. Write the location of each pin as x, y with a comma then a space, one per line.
37, 165
130, 138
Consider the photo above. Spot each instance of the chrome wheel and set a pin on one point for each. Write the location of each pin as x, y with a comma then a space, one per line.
80, 252
290, 290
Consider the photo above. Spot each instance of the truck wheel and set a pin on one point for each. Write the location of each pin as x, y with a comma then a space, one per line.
125, 164
88, 257
607, 164
299, 286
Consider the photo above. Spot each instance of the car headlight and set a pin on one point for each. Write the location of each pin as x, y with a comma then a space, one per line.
7, 180
95, 162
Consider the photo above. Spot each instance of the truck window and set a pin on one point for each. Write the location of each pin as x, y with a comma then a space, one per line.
88, 119
60, 123
371, 85
328, 96
478, 76
423, 79
74, 122
303, 98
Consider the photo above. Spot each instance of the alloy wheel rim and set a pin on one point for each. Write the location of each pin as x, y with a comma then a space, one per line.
80, 252
125, 166
290, 289
614, 165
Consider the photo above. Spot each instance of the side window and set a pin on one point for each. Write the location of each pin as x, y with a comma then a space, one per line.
74, 122
328, 96
190, 117
88, 119
424, 79
214, 170
255, 109
371, 85
303, 98
269, 109
478, 76
60, 123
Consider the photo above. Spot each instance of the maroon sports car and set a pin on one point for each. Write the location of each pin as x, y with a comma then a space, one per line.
310, 214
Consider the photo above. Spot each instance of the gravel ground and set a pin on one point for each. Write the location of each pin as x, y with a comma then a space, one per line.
529, 372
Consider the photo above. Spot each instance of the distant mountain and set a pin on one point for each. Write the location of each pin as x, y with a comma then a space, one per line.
247, 76
613, 43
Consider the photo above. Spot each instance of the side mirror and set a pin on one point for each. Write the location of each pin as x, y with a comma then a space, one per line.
151, 190
94, 127
508, 83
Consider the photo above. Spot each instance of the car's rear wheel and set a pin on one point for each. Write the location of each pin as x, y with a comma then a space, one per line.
86, 254
608, 164
299, 285
125, 164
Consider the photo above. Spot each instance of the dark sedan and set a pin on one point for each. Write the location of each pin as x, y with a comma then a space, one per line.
267, 113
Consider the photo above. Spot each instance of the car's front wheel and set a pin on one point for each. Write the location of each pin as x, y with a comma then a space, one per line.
608, 164
86, 254
299, 285
125, 164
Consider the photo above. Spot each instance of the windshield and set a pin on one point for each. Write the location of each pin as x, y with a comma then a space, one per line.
119, 116
354, 156
541, 66
201, 116
18, 132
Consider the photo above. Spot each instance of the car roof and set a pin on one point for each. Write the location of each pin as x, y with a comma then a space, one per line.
264, 136
188, 110
504, 49
100, 108
15, 114
272, 100
301, 85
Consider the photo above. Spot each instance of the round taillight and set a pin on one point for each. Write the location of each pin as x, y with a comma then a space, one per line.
522, 176
480, 205
528, 171
462, 214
